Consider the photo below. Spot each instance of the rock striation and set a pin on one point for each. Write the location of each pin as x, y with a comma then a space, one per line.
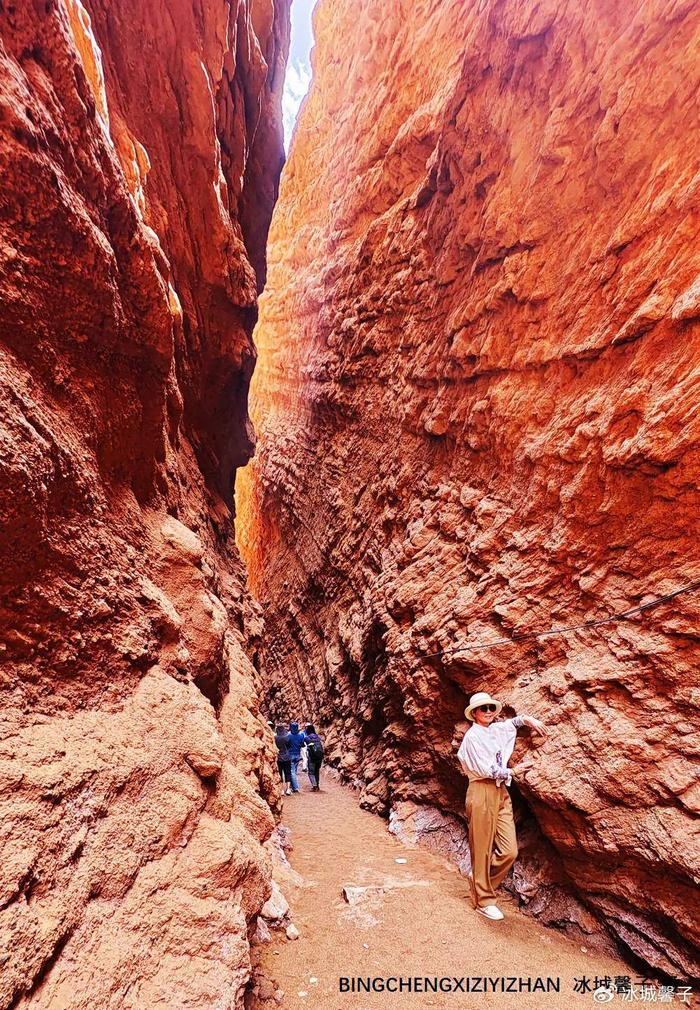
140, 147
476, 400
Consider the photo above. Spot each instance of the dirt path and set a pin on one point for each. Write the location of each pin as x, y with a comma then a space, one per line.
421, 925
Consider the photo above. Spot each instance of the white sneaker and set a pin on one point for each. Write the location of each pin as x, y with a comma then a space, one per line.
491, 912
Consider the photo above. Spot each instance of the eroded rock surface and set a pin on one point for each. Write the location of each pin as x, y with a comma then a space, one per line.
140, 146
477, 404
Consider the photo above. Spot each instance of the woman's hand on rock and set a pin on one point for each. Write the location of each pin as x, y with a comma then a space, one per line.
539, 727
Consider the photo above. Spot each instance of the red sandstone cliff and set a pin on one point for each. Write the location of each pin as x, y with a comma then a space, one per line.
477, 405
140, 147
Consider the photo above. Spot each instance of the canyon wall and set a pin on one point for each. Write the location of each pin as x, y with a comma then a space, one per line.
140, 149
476, 400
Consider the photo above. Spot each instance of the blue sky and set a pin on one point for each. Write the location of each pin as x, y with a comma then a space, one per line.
298, 78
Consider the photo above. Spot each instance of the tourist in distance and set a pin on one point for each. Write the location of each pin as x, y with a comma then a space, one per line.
314, 749
284, 757
296, 742
484, 755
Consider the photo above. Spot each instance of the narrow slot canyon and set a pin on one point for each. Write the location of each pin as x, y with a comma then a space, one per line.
346, 436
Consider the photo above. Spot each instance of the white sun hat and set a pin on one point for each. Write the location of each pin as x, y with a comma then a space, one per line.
479, 699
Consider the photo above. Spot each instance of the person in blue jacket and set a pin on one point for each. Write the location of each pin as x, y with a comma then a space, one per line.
297, 740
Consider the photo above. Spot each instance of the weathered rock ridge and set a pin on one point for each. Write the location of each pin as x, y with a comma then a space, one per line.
476, 401
140, 148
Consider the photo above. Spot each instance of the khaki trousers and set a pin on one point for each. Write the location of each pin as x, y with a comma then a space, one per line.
492, 841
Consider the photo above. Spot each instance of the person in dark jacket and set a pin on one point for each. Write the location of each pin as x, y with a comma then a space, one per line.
284, 757
296, 742
314, 750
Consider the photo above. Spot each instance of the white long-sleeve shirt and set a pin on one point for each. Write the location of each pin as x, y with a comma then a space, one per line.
486, 750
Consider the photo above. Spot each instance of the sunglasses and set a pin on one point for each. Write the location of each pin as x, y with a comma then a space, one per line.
486, 708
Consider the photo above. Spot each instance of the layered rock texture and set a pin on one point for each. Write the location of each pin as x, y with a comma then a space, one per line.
140, 147
477, 403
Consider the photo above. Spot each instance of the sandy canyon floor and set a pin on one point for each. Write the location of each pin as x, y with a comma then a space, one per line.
420, 924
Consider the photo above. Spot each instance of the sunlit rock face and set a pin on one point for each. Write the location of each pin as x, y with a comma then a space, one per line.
476, 400
140, 147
